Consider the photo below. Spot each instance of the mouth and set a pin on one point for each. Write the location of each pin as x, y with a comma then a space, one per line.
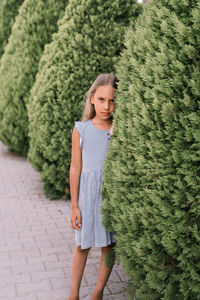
105, 114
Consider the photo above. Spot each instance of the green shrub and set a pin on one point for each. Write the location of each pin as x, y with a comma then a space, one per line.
151, 183
8, 11
33, 28
88, 43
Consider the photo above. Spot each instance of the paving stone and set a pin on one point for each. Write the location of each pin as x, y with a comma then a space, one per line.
121, 274
36, 245
12, 263
56, 265
58, 283
8, 292
55, 250
31, 296
17, 241
26, 233
64, 256
27, 253
4, 256
11, 248
60, 294
8, 280
43, 259
43, 285
45, 237
28, 268
114, 277
55, 274
59, 243
2, 244
5, 272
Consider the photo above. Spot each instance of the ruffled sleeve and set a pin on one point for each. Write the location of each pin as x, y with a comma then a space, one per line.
79, 127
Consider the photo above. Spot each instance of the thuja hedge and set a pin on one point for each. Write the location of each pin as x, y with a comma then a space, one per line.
8, 11
88, 43
151, 183
33, 28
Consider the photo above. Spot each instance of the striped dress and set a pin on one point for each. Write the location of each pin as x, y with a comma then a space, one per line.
94, 145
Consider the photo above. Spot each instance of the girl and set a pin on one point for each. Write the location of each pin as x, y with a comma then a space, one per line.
90, 139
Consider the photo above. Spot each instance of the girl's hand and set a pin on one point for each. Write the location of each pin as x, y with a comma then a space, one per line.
111, 129
76, 218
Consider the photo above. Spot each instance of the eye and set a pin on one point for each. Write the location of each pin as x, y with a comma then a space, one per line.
112, 101
101, 99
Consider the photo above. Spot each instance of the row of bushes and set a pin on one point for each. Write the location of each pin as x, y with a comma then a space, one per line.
151, 184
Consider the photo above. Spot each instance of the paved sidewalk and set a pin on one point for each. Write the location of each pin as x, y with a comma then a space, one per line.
37, 241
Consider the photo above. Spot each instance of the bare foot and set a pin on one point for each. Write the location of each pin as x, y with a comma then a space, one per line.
97, 295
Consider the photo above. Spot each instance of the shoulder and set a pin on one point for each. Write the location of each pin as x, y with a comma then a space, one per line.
81, 125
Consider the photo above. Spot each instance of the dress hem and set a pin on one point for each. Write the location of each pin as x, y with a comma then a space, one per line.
96, 246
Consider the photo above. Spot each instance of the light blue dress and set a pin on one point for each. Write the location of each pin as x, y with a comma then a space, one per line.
94, 145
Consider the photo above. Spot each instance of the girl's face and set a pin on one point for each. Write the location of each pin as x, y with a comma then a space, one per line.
103, 100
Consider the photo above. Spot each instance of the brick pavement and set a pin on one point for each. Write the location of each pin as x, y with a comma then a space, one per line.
37, 240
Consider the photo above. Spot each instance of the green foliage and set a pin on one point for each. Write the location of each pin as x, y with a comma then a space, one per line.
8, 11
33, 28
109, 258
88, 43
151, 184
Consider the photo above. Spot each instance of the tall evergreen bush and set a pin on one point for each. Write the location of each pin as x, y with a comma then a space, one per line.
8, 11
151, 183
33, 28
88, 43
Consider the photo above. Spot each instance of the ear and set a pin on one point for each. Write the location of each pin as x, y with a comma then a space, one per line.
92, 99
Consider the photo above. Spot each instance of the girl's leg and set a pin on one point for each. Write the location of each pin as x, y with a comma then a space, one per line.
104, 271
78, 266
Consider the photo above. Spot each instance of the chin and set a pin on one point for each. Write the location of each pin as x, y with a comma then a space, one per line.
106, 117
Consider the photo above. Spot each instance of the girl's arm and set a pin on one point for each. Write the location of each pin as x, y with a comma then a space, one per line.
75, 172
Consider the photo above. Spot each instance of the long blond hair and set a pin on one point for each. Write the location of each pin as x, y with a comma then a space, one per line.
103, 79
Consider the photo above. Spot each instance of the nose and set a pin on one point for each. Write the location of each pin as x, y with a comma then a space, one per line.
106, 105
